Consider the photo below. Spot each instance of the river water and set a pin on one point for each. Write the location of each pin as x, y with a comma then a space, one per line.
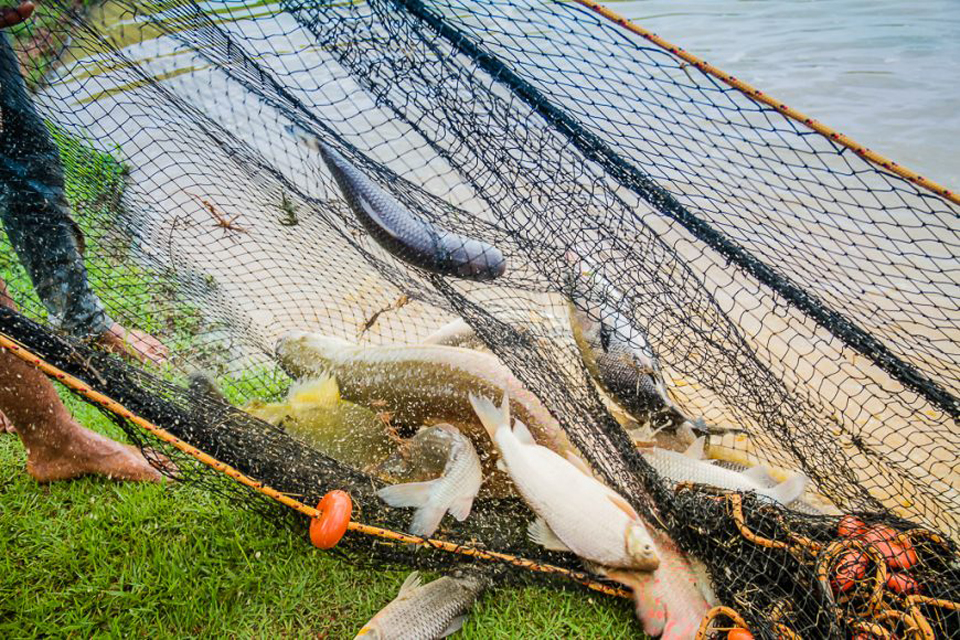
885, 72
882, 72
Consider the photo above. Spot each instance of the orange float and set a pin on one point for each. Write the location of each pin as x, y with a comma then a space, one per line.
902, 584
850, 525
739, 634
327, 528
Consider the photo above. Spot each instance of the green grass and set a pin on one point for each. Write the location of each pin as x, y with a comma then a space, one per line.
96, 558
52, 26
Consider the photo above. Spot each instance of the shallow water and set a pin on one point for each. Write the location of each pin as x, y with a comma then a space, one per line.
883, 72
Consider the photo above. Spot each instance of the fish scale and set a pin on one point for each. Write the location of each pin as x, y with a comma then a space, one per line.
425, 612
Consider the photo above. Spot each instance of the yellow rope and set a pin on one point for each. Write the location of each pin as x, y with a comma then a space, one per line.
759, 96
115, 407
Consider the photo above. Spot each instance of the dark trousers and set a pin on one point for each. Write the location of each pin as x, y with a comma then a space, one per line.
34, 210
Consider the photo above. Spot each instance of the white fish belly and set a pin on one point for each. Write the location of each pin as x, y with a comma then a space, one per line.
680, 468
576, 507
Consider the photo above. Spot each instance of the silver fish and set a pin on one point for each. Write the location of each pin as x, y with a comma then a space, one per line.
683, 467
421, 457
454, 491
426, 611
579, 513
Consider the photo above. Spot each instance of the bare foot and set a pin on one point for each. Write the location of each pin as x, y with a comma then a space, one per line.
5, 425
86, 452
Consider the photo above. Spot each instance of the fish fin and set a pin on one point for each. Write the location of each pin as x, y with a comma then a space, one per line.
412, 582
758, 474
622, 504
490, 416
649, 606
704, 584
578, 462
540, 533
426, 520
695, 450
454, 626
505, 408
522, 433
452, 334
321, 392
411, 494
789, 490
460, 508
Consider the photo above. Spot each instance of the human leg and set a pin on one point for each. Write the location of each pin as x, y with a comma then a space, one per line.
58, 447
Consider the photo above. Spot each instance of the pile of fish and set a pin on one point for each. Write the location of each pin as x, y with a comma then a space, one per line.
424, 417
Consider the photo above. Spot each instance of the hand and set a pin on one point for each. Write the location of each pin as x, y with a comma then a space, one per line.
10, 16
142, 346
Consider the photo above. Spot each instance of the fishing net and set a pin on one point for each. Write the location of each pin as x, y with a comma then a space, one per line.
796, 294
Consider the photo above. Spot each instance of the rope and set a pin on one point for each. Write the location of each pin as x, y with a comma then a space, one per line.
759, 96
115, 407
624, 171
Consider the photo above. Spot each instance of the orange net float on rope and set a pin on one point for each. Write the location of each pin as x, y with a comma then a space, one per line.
328, 528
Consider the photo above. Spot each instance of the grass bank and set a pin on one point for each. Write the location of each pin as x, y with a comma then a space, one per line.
96, 558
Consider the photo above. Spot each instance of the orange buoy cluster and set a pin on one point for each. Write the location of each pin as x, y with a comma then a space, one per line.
897, 551
328, 528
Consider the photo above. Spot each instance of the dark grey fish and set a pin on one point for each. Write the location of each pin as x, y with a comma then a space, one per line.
622, 365
616, 353
409, 238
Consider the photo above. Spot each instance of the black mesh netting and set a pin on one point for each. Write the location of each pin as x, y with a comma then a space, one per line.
793, 292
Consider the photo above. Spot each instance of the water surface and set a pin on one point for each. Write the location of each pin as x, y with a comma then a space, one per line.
883, 72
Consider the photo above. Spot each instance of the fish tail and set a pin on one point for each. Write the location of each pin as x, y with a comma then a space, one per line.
491, 417
790, 489
429, 512
303, 136
411, 494
649, 606
426, 519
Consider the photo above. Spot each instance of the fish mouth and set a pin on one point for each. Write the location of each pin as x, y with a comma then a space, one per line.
286, 338
645, 562
642, 550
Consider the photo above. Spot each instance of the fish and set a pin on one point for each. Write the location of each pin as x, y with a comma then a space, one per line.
421, 457
424, 456
418, 384
671, 601
314, 412
453, 491
455, 333
688, 467
401, 233
616, 353
427, 611
578, 512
